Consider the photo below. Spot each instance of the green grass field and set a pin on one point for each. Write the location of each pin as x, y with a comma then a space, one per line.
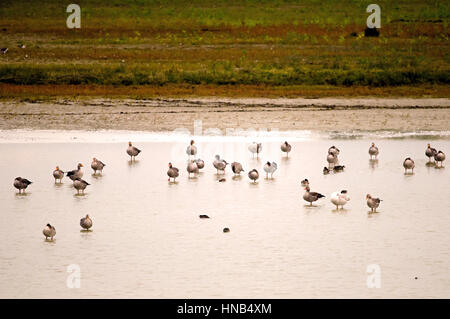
181, 43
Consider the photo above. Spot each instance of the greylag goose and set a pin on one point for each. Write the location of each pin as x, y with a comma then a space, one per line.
80, 185
236, 168
220, 164
373, 203
191, 150
439, 157
49, 231
255, 148
326, 171
304, 182
97, 165
332, 159
132, 151
286, 148
338, 168
192, 168
76, 173
86, 222
333, 150
408, 163
58, 174
172, 172
340, 198
200, 163
311, 197
21, 183
270, 168
430, 152
373, 151
253, 175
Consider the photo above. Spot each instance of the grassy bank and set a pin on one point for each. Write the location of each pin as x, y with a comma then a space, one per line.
176, 44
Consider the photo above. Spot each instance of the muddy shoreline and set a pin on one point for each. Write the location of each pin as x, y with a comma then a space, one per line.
323, 114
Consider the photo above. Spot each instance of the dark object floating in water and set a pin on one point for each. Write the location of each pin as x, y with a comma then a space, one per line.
222, 180
226, 230
203, 216
415, 278
371, 32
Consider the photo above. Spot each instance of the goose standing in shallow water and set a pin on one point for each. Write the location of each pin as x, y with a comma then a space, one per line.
373, 151
86, 222
332, 159
408, 163
270, 168
21, 184
311, 197
439, 157
340, 198
58, 174
132, 151
76, 173
49, 231
97, 165
192, 168
236, 168
191, 150
255, 148
286, 148
200, 163
80, 185
373, 203
430, 152
172, 172
253, 175
220, 164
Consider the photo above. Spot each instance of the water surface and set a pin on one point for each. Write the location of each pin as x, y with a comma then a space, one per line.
148, 241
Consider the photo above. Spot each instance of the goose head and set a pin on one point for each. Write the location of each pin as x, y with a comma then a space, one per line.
129, 144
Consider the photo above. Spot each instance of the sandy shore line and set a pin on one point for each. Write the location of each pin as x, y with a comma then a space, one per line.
324, 114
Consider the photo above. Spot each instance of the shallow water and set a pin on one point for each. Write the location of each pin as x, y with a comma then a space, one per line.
148, 241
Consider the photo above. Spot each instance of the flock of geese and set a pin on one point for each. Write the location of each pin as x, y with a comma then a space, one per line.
339, 198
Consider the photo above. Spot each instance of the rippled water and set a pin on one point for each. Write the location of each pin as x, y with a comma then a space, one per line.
148, 241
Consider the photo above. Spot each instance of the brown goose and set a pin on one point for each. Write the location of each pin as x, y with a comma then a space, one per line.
132, 151
408, 163
80, 185
192, 168
173, 172
286, 148
191, 149
253, 175
200, 163
373, 203
58, 174
311, 196
21, 184
439, 157
86, 222
430, 152
373, 151
49, 231
236, 168
97, 165
220, 164
76, 173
